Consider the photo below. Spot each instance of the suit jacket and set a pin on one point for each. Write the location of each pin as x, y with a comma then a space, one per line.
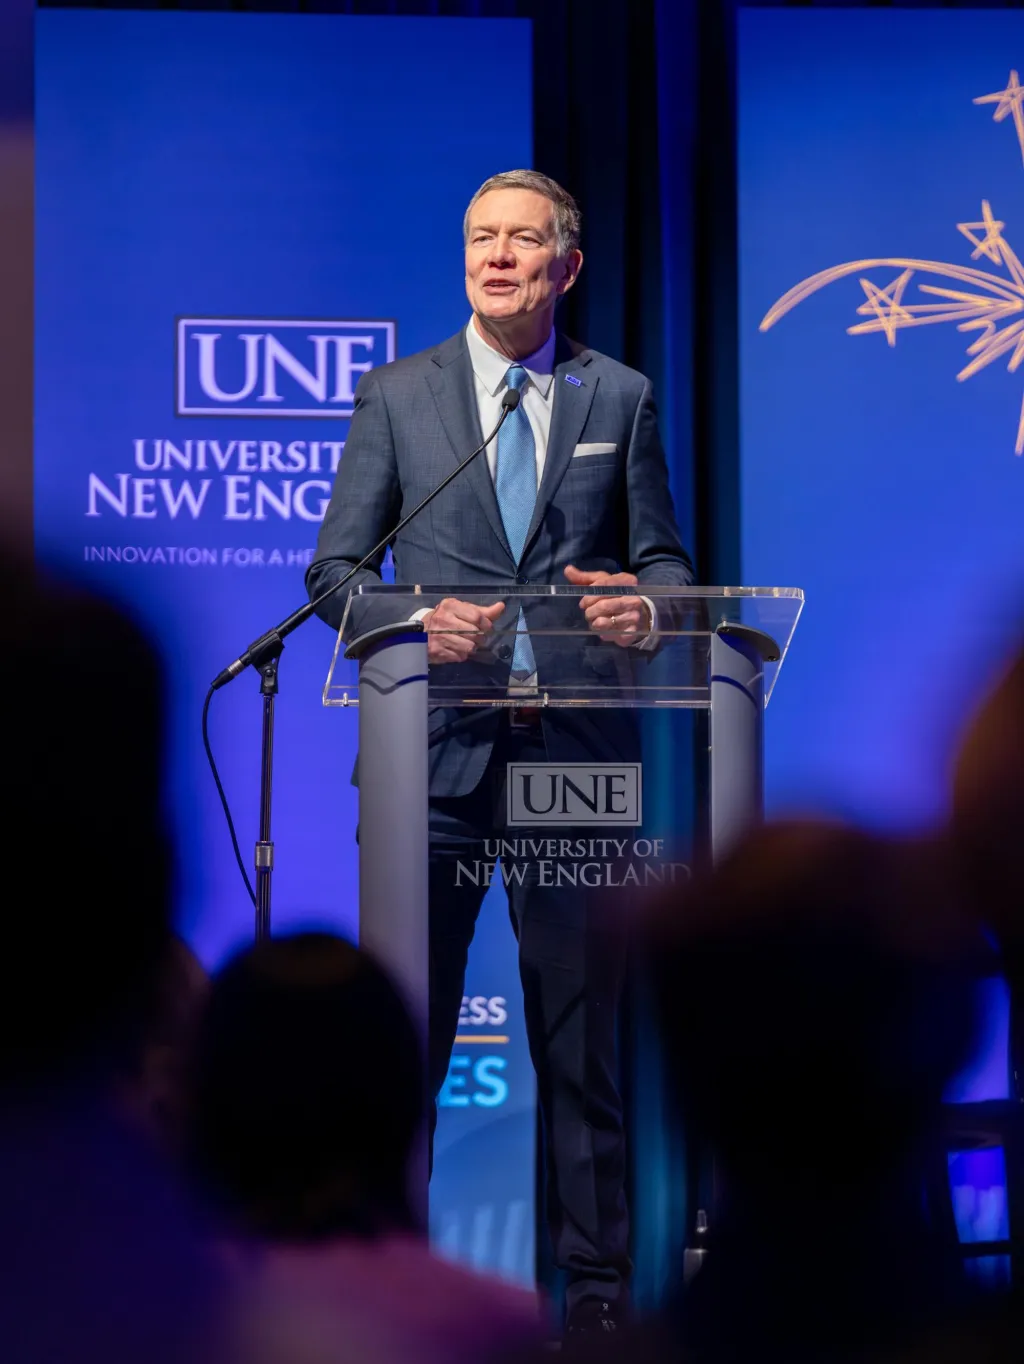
414, 421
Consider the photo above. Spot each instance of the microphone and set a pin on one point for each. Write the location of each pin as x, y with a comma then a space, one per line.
269, 644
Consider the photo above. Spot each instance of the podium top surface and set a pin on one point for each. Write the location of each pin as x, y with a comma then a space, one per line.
572, 665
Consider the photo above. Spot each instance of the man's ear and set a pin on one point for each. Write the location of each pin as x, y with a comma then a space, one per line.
573, 262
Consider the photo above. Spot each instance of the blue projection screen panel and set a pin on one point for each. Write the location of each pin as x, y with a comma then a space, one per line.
237, 216
881, 202
881, 198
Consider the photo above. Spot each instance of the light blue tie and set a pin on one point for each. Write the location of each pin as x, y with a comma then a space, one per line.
515, 484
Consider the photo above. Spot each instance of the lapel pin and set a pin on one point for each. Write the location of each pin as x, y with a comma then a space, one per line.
571, 379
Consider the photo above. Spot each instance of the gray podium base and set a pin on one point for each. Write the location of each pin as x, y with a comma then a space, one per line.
393, 830
738, 656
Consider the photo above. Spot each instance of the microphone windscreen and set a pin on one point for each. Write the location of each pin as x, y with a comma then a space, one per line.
511, 398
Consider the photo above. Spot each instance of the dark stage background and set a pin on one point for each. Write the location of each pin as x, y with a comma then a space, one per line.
634, 113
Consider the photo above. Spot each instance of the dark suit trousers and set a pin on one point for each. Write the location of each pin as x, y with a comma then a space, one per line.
571, 964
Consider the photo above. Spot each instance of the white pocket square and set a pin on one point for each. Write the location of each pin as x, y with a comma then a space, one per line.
597, 447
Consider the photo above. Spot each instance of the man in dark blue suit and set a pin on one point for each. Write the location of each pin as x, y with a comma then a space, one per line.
575, 489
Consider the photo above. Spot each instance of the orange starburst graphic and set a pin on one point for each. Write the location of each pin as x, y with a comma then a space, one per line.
1008, 103
990, 304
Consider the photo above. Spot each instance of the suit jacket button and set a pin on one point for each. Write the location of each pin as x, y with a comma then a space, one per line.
504, 652
522, 578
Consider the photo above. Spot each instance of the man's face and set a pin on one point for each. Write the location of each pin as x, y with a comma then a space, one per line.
513, 266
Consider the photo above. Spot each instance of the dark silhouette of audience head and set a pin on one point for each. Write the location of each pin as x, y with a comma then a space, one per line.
988, 809
152, 1080
816, 993
82, 696
308, 1093
104, 1261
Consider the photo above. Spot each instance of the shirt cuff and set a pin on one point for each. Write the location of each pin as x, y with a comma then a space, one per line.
421, 615
650, 640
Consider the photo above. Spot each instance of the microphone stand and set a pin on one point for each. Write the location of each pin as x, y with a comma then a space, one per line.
265, 653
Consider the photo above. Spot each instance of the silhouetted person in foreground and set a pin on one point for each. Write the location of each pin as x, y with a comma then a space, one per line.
987, 832
81, 695
152, 1081
309, 1099
99, 1260
815, 995
986, 838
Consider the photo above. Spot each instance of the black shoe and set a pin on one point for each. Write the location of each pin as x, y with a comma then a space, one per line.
589, 1321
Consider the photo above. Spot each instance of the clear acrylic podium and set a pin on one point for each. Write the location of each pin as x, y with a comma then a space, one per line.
717, 650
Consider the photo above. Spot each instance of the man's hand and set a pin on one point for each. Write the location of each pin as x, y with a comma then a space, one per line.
452, 615
618, 620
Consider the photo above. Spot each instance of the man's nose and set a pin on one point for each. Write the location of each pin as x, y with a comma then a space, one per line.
501, 252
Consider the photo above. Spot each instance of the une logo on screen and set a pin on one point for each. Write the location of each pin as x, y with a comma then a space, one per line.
275, 367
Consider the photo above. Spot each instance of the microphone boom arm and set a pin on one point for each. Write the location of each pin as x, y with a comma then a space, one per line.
270, 644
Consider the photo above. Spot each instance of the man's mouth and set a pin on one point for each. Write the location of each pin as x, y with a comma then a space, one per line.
500, 286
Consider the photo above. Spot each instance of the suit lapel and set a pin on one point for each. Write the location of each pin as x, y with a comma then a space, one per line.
452, 386
574, 386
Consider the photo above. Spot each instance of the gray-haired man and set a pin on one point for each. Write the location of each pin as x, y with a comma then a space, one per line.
574, 490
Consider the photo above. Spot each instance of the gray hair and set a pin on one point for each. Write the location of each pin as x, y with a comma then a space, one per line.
567, 214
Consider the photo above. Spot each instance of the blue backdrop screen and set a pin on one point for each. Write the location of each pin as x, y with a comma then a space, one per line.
880, 201
237, 216
881, 198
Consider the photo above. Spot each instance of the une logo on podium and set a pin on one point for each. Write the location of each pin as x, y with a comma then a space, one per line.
275, 367
574, 793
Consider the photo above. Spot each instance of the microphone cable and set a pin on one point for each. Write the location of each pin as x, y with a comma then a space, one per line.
223, 798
